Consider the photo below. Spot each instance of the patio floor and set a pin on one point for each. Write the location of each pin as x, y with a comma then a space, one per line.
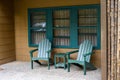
21, 71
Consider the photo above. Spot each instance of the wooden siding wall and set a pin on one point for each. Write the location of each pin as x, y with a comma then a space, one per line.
7, 40
21, 25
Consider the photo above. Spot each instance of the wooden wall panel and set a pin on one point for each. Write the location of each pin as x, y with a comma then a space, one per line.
7, 38
21, 25
47, 3
6, 20
7, 59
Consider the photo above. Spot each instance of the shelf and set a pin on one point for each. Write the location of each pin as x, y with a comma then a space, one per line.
87, 16
87, 33
61, 18
61, 36
87, 27
61, 27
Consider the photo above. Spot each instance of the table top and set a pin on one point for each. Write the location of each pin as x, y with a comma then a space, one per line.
60, 54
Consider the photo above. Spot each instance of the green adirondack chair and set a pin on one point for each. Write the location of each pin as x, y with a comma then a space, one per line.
44, 53
83, 58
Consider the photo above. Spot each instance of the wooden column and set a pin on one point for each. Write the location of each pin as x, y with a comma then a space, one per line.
118, 42
112, 40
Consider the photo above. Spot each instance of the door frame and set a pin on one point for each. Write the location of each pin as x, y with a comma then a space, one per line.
103, 40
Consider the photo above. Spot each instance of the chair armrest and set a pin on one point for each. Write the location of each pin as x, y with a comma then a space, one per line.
72, 52
87, 54
31, 52
68, 53
49, 51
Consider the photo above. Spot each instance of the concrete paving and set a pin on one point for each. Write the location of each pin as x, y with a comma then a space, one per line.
18, 70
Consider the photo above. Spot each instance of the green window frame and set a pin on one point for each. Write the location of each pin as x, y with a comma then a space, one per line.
65, 27
61, 27
89, 27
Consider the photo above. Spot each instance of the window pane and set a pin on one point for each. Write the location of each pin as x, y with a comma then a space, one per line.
66, 27
61, 41
61, 24
38, 19
87, 17
61, 14
61, 32
87, 25
37, 36
38, 27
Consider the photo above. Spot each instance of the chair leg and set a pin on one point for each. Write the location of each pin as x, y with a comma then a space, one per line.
84, 68
55, 62
64, 63
31, 64
68, 67
48, 64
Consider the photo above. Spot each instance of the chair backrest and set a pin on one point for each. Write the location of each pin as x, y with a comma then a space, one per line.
43, 47
84, 48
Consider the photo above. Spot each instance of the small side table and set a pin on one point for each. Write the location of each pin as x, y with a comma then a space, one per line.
59, 63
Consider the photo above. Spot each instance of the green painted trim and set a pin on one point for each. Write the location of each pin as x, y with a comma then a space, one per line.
30, 28
73, 28
49, 33
29, 38
60, 46
73, 24
99, 30
98, 23
46, 59
59, 28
